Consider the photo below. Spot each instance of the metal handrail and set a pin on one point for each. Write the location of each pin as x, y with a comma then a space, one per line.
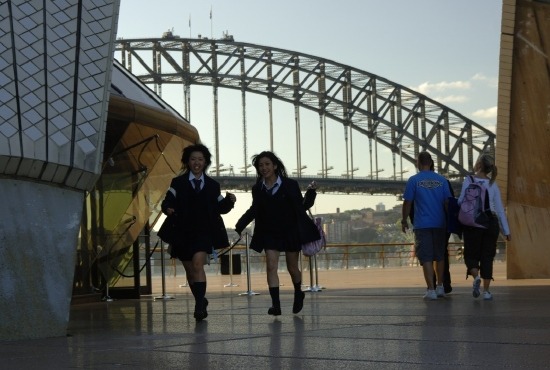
357, 256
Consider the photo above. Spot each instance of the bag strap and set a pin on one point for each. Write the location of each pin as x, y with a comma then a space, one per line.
487, 206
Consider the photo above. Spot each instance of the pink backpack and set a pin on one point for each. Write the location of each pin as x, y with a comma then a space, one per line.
474, 209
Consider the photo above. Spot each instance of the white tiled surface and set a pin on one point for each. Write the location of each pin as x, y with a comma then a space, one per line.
60, 71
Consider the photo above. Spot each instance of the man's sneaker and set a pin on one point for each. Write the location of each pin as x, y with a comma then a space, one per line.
430, 295
440, 291
487, 296
476, 285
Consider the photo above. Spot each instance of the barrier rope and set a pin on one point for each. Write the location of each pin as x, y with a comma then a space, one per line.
147, 260
226, 250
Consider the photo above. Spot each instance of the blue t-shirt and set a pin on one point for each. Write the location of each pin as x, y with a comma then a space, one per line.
428, 192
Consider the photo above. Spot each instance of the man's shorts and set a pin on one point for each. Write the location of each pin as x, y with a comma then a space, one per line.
430, 244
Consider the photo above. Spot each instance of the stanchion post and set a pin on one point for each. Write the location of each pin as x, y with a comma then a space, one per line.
312, 288
230, 284
316, 273
162, 270
249, 292
107, 297
301, 260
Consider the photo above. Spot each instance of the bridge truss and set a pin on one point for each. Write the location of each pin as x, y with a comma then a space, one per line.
388, 114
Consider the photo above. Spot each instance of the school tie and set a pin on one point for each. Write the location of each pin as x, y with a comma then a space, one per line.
197, 185
270, 191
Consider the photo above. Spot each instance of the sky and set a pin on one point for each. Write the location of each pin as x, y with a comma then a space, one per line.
445, 49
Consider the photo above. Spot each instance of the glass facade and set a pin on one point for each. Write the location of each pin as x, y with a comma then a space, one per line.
142, 153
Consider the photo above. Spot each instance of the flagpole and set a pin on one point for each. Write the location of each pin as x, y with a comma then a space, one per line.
189, 25
211, 22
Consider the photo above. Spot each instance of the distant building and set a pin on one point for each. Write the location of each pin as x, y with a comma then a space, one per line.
337, 231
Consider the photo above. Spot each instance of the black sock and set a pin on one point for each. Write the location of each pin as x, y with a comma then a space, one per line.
274, 293
193, 290
298, 298
200, 292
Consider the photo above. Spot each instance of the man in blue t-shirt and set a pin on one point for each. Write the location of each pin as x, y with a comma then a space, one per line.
428, 191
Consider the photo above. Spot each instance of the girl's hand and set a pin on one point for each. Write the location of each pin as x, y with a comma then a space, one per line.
170, 211
312, 185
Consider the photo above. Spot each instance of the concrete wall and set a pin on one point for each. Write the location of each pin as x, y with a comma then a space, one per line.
39, 226
57, 58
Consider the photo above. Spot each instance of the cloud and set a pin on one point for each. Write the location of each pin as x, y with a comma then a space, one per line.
479, 77
451, 99
485, 113
460, 93
490, 82
428, 88
492, 128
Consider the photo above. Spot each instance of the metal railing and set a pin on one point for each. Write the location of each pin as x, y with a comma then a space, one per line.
341, 256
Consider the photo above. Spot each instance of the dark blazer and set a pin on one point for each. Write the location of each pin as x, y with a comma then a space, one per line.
177, 198
290, 191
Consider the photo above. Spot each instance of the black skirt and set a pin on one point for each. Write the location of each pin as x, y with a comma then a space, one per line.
279, 242
185, 249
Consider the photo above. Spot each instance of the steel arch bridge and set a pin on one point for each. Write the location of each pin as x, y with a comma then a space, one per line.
387, 113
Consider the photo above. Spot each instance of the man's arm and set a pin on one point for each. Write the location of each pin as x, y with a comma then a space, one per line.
405, 211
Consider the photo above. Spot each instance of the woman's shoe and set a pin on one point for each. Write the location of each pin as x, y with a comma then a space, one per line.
275, 311
200, 315
475, 287
298, 302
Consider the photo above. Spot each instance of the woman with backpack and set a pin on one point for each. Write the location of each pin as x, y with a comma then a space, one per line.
480, 241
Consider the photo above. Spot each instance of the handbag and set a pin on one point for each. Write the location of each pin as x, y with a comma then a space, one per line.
168, 231
312, 248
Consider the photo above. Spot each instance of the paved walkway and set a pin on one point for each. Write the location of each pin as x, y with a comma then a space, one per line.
364, 319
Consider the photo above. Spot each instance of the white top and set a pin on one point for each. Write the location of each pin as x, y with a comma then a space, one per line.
495, 202
192, 177
275, 187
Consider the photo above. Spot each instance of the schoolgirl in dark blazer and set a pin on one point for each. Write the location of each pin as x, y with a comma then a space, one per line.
183, 199
298, 227
195, 204
281, 223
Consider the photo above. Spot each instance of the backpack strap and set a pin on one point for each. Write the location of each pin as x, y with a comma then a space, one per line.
486, 203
